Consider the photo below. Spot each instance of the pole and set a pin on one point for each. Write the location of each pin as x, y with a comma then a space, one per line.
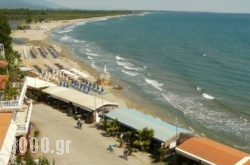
95, 107
176, 125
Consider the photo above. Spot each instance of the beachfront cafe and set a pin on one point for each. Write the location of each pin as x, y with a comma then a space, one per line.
134, 120
89, 107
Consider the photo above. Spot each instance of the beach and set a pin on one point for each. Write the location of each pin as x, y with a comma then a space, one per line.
186, 92
90, 149
40, 38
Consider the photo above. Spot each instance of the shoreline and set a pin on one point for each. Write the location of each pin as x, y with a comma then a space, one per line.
44, 38
120, 96
70, 60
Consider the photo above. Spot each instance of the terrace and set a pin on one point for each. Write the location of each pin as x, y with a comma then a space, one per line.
21, 111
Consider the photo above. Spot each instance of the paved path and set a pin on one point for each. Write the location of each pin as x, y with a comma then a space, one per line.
88, 145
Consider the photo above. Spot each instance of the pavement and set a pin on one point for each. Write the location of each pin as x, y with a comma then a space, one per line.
88, 145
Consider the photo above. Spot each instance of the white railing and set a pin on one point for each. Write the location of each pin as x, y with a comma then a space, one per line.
14, 104
9, 104
28, 116
24, 89
23, 128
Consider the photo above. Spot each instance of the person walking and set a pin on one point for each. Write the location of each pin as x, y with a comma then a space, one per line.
125, 154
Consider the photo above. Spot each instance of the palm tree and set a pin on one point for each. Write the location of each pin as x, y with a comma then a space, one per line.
143, 138
113, 127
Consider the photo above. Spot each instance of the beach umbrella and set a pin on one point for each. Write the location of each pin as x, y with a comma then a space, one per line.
102, 91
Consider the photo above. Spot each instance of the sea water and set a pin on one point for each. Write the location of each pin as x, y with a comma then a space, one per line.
194, 67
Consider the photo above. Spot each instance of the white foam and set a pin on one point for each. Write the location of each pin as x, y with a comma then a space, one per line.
132, 74
213, 119
88, 50
92, 54
190, 107
98, 19
127, 65
123, 63
90, 58
207, 96
93, 65
66, 38
80, 23
154, 83
198, 88
120, 58
64, 31
132, 68
69, 39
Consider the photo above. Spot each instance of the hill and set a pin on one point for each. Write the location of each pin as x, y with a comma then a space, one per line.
34, 4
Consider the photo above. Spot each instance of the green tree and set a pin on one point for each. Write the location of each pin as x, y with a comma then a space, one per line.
5, 33
28, 159
12, 57
28, 20
113, 127
18, 161
43, 161
143, 138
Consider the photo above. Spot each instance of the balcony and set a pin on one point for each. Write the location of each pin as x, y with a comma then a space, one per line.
14, 104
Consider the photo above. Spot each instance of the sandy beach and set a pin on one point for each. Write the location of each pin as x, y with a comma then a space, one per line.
90, 149
40, 38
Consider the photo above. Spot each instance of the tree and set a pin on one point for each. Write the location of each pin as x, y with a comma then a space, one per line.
43, 161
29, 20
28, 160
143, 138
5, 33
113, 127
12, 57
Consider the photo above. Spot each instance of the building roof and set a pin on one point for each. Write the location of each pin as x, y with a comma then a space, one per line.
137, 120
86, 101
5, 119
3, 64
211, 152
3, 81
37, 83
7, 136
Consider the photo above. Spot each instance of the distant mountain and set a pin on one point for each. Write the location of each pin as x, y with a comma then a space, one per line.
31, 4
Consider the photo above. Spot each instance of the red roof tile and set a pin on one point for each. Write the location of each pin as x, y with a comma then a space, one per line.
208, 150
5, 119
3, 64
3, 81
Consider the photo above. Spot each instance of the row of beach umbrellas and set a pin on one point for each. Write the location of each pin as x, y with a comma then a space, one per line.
83, 86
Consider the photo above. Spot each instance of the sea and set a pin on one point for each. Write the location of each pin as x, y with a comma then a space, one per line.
191, 67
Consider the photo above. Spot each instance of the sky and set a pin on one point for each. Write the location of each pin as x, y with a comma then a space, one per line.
231, 6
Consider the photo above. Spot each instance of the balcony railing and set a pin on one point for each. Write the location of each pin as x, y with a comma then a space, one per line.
23, 128
14, 104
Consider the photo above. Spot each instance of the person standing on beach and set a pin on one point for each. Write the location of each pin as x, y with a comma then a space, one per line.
79, 123
125, 154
